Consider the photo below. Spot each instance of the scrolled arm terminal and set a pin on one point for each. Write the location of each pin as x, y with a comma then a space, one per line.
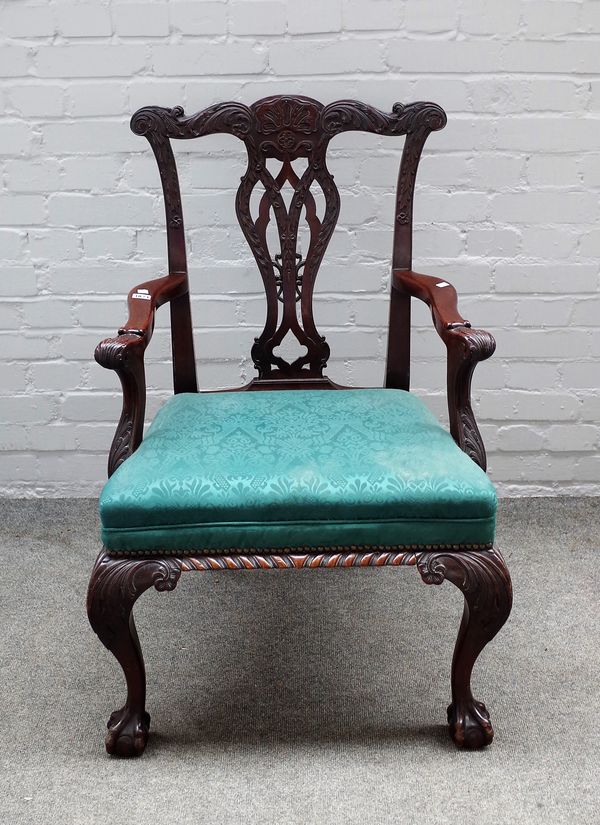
125, 355
466, 347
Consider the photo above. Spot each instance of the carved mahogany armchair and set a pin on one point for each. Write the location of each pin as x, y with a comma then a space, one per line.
324, 476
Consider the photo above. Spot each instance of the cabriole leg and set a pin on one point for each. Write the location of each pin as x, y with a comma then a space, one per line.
114, 586
485, 582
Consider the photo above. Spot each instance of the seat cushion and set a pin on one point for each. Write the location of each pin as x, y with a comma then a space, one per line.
310, 469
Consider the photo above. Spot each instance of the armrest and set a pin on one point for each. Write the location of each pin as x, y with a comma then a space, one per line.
125, 355
466, 347
438, 294
145, 299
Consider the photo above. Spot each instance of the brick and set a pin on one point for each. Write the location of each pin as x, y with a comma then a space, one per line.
87, 210
551, 94
521, 376
91, 99
383, 14
497, 172
33, 176
488, 17
546, 278
15, 138
591, 168
11, 244
17, 281
25, 210
85, 468
145, 91
325, 57
431, 16
83, 173
493, 243
580, 375
199, 18
141, 19
54, 244
550, 244
454, 57
569, 438
48, 313
14, 437
24, 347
586, 312
313, 16
19, 20
545, 17
500, 95
49, 375
90, 60
83, 20
457, 207
527, 406
258, 17
544, 343
88, 407
519, 438
212, 58
544, 312
14, 61
552, 56
37, 100
107, 278
489, 312
12, 378
53, 438
81, 138
545, 207
18, 466
439, 171
108, 243
546, 134
435, 241
24, 408
589, 243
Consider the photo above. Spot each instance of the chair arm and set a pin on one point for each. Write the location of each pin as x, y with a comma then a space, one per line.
466, 347
125, 355
145, 299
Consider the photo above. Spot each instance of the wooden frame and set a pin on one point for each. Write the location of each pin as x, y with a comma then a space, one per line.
290, 129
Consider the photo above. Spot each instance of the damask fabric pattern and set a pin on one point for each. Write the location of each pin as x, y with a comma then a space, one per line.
298, 469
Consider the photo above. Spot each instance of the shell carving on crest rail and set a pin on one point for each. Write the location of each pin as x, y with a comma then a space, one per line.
288, 129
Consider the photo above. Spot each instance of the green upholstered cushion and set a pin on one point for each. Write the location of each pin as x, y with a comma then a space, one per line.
296, 469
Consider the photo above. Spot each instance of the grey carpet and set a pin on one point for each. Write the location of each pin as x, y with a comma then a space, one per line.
300, 696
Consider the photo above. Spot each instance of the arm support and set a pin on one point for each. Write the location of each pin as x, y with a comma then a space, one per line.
125, 355
465, 347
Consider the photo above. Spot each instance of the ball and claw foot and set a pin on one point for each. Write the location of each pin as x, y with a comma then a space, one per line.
127, 732
469, 724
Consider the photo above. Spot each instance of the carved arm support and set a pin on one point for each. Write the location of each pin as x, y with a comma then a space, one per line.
125, 355
466, 347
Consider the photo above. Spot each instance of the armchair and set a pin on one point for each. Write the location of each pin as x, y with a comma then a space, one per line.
294, 471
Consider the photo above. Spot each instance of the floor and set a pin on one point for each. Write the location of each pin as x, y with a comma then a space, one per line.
301, 696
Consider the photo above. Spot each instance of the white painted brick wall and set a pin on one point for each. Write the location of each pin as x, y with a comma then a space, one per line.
508, 208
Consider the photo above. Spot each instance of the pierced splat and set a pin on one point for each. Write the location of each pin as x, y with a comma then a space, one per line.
287, 271
287, 128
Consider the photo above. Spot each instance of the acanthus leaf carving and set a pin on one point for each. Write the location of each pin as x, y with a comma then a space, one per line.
125, 355
485, 582
466, 348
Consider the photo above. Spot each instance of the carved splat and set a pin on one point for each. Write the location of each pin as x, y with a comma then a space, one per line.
288, 128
